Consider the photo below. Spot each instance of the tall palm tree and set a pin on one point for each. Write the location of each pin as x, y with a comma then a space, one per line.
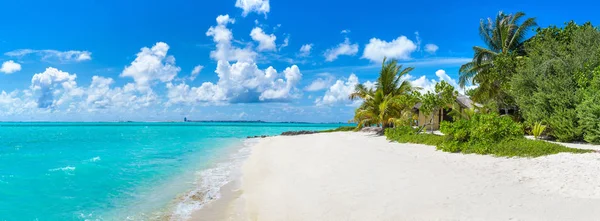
504, 35
388, 102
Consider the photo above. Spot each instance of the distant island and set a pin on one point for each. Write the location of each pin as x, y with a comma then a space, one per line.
254, 121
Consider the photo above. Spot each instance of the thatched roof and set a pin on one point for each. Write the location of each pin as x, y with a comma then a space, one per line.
463, 100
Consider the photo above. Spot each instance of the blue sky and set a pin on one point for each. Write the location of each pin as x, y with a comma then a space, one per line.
254, 59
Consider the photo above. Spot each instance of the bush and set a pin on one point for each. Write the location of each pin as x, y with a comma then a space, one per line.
538, 129
511, 148
340, 129
407, 134
564, 127
482, 128
495, 135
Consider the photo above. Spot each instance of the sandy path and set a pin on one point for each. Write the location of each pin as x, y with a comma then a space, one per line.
356, 176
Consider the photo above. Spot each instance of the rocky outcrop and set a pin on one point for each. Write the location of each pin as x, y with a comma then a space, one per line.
294, 133
261, 136
288, 133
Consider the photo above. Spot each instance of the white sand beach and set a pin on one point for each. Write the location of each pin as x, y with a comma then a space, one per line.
359, 176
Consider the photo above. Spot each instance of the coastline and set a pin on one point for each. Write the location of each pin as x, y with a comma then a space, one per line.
358, 176
213, 184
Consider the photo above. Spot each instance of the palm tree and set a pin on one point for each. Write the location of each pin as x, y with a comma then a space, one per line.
388, 102
502, 36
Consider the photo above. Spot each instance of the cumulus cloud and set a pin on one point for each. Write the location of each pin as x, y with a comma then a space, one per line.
53, 55
258, 6
305, 50
222, 36
400, 48
427, 84
339, 92
54, 87
151, 65
196, 71
344, 48
9, 67
265, 42
320, 83
431, 48
241, 82
100, 96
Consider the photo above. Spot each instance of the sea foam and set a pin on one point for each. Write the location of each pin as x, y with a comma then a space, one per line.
211, 181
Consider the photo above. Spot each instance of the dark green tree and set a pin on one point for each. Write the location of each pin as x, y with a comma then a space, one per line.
493, 64
549, 83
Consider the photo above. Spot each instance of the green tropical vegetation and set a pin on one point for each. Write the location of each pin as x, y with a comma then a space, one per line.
538, 129
390, 102
443, 98
408, 134
492, 65
339, 129
529, 79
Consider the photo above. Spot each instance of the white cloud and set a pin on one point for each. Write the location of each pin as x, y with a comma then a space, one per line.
429, 84
196, 71
286, 42
53, 55
418, 39
13, 104
183, 94
99, 92
120, 99
320, 83
339, 92
265, 42
9, 67
241, 82
305, 50
150, 65
223, 37
400, 48
280, 89
258, 6
345, 31
344, 48
54, 87
431, 48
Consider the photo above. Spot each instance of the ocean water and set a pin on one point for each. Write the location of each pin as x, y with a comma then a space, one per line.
120, 171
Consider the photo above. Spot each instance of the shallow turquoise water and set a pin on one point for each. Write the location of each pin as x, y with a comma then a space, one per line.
110, 171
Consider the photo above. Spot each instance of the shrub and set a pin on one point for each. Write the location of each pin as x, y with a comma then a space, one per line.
340, 129
407, 134
482, 128
563, 126
538, 129
495, 135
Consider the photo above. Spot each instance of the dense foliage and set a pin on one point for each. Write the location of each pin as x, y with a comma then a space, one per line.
390, 102
493, 64
554, 84
546, 84
444, 96
483, 134
482, 128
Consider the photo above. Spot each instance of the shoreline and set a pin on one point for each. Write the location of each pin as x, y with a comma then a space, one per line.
213, 183
357, 176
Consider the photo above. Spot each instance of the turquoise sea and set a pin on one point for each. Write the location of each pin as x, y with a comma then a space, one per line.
120, 171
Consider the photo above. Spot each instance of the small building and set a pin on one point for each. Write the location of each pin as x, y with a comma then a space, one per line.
442, 115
